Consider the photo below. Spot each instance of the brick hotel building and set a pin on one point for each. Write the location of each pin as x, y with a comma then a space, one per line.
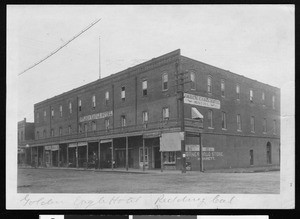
132, 119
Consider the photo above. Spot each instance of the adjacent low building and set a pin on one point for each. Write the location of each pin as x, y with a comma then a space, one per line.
25, 136
132, 119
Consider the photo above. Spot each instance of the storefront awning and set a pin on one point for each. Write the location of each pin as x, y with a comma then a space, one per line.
55, 147
171, 141
196, 114
82, 144
105, 141
72, 145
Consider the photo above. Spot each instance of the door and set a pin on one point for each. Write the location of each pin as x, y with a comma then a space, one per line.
120, 158
269, 154
251, 158
141, 158
157, 160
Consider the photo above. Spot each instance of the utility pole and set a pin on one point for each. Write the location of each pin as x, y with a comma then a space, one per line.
180, 91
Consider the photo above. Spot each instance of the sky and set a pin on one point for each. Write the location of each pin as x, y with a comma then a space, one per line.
256, 41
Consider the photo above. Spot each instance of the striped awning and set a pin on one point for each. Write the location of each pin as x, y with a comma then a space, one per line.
196, 114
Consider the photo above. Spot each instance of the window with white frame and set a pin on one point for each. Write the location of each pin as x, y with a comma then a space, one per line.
193, 81
251, 95
238, 92
94, 101
45, 114
60, 131
142, 155
252, 123
210, 118
264, 125
224, 122
69, 129
52, 113
273, 102
79, 105
70, 107
145, 117
274, 127
44, 134
52, 132
166, 113
107, 123
60, 110
94, 127
263, 97
209, 84
239, 122
123, 93
145, 87
123, 121
106, 97
165, 80
223, 88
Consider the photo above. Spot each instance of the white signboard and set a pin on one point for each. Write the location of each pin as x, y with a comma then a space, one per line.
96, 116
201, 101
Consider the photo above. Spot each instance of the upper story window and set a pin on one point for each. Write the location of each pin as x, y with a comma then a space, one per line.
263, 97
123, 93
37, 135
223, 88
60, 110
52, 113
45, 113
145, 117
79, 105
94, 101
70, 107
60, 131
79, 128
37, 117
106, 97
251, 95
252, 123
166, 113
238, 122
69, 129
273, 102
193, 81
264, 126
224, 122
274, 127
210, 118
85, 127
44, 134
145, 87
238, 92
165, 80
209, 85
94, 127
22, 135
107, 123
52, 132
123, 121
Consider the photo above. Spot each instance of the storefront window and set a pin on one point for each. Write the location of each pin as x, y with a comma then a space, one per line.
170, 157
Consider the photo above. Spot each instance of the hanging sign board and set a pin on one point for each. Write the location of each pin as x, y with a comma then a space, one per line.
48, 148
55, 147
96, 116
72, 145
201, 101
171, 141
82, 144
105, 141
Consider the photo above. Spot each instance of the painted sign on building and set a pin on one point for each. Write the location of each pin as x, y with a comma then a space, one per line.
96, 116
201, 101
208, 153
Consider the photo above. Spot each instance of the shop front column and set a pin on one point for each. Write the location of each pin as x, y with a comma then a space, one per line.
112, 154
44, 161
67, 155
51, 158
143, 154
31, 152
87, 155
76, 155
58, 154
126, 153
99, 155
161, 161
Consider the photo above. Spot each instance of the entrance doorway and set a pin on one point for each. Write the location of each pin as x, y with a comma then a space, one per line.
157, 160
141, 157
251, 158
269, 153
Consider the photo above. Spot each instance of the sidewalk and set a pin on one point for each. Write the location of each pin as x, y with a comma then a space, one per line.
158, 171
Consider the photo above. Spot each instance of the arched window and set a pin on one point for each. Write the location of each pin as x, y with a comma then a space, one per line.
209, 84
165, 81
193, 81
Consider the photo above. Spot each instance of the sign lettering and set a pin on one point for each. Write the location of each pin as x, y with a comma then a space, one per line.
96, 116
201, 101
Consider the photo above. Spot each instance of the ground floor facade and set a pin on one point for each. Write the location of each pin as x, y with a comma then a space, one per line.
151, 151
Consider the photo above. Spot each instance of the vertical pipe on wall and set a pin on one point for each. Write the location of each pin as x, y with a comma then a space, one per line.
126, 153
